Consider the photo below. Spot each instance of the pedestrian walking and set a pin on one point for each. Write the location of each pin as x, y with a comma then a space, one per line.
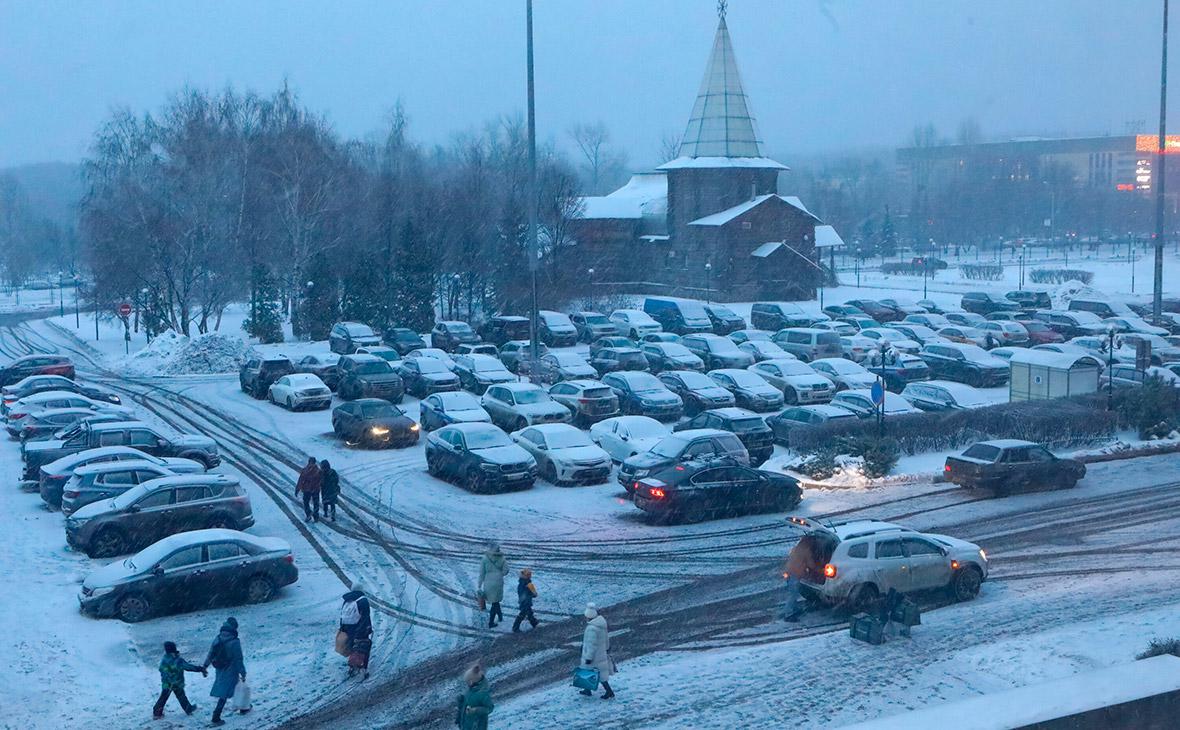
329, 488
172, 669
225, 655
989, 340
801, 561
356, 623
525, 593
310, 481
475, 704
596, 650
492, 570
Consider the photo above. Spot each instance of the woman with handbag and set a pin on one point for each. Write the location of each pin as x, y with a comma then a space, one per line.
596, 650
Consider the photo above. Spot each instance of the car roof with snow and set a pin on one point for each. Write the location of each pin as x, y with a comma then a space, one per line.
732, 412
547, 429
362, 357
456, 399
70, 460
1052, 359
157, 551
583, 384
105, 466
827, 411
1008, 443
303, 379
521, 387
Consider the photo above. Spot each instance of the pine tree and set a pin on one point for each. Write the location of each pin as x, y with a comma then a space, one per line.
414, 269
266, 320
887, 243
320, 307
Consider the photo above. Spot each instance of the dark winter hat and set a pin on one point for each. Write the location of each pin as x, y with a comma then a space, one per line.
311, 460
325, 465
232, 623
169, 647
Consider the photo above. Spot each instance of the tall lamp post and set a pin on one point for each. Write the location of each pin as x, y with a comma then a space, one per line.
534, 246
1110, 332
77, 314
1158, 178
1021, 264
708, 282
61, 294
593, 292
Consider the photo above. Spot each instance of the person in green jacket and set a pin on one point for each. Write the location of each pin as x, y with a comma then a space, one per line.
172, 669
476, 703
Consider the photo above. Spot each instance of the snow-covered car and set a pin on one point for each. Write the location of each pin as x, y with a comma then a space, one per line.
374, 422
187, 571
39, 425
385, 352
750, 335
858, 562
481, 457
861, 323
403, 339
478, 372
642, 394
897, 369
345, 337
717, 351
663, 356
54, 399
1005, 333
137, 434
1004, 353
796, 417
660, 337
797, 381
1065, 347
857, 348
861, 403
1134, 324
944, 395
517, 355
443, 409
967, 319
969, 364
775, 316
437, 353
514, 406
52, 478
554, 367
840, 327
765, 350
41, 383
625, 436
588, 400
555, 329
844, 374
321, 365
106, 480
1099, 347
425, 375
895, 339
935, 308
963, 335
917, 332
633, 323
301, 390
933, 321
591, 325
564, 454
750, 390
903, 309
1128, 376
698, 391
1162, 351
700, 443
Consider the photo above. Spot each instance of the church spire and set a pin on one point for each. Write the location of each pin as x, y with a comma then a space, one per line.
721, 124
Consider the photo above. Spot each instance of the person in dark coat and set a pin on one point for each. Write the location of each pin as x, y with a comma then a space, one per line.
989, 340
802, 562
329, 488
525, 593
357, 623
225, 655
476, 703
310, 481
172, 669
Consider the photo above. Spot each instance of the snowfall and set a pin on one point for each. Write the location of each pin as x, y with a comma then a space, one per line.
1068, 591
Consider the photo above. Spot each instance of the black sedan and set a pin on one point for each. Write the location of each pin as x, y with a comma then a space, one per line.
702, 490
374, 422
189, 571
480, 457
403, 339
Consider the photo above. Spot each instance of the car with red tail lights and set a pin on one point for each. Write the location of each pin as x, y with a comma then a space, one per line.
703, 489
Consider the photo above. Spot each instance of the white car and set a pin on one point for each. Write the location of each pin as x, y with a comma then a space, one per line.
300, 390
634, 323
844, 374
1098, 346
625, 436
897, 340
1005, 332
917, 333
963, 335
433, 353
945, 395
798, 382
837, 326
867, 558
858, 348
514, 406
765, 350
1134, 324
564, 454
51, 399
861, 403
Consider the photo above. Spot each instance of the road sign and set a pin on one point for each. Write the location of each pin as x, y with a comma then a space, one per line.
124, 310
878, 393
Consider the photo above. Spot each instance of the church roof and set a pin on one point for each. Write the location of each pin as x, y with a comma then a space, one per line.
721, 124
645, 194
725, 216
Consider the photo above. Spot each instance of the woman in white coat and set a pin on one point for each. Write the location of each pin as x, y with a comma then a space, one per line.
595, 649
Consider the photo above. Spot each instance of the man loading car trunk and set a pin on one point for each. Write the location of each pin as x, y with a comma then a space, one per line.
802, 562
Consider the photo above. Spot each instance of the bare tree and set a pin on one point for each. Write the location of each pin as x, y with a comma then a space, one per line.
602, 163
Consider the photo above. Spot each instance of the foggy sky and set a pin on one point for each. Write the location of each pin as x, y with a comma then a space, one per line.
822, 75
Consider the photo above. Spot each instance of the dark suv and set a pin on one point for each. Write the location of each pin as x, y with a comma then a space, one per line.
346, 337
136, 434
775, 316
984, 303
368, 376
257, 374
724, 319
504, 328
447, 336
618, 359
555, 329
749, 427
404, 340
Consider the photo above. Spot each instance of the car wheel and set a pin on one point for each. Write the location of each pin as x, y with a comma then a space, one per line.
791, 396
966, 583
550, 474
290, 404
473, 481
634, 335
863, 598
431, 465
695, 512
260, 589
520, 423
270, 396
1067, 481
133, 608
107, 544
221, 522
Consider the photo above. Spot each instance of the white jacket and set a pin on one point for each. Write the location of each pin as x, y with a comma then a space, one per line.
595, 645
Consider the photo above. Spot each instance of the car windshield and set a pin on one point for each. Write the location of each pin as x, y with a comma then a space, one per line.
742, 425
974, 352
644, 382
359, 330
380, 410
670, 447
675, 349
487, 438
1086, 317
746, 379
489, 365
555, 319
458, 401
431, 365
722, 312
373, 368
596, 319
459, 328
567, 439
983, 452
723, 346
528, 397
693, 310
696, 380
756, 334
845, 367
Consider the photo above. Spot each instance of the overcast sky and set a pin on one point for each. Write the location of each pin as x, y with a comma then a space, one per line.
822, 75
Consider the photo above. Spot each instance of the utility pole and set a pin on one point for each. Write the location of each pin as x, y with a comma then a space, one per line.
1160, 157
533, 247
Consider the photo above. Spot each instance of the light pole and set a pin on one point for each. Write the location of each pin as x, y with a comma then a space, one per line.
1158, 180
1110, 331
61, 295
881, 408
533, 247
77, 314
454, 298
1131, 258
1021, 265
593, 299
856, 263
925, 272
708, 282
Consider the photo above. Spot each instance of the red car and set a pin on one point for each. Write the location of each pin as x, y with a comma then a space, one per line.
1039, 333
36, 365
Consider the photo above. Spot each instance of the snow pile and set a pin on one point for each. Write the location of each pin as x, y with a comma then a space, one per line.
172, 353
1064, 293
151, 359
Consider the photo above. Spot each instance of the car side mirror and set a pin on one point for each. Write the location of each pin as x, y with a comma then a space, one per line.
161, 442
157, 570
944, 551
133, 508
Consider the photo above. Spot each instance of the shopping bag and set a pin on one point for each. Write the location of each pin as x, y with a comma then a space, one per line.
242, 697
483, 601
586, 678
342, 642
867, 628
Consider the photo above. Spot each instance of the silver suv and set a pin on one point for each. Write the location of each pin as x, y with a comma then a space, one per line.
862, 560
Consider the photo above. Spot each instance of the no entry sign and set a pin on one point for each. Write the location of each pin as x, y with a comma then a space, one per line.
124, 309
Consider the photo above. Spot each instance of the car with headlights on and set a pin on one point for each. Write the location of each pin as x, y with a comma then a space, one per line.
321, 365
750, 390
423, 376
369, 376
346, 337
707, 444
592, 325
374, 422
797, 381
479, 372
448, 335
944, 395
749, 427
555, 329
625, 436
663, 356
844, 374
588, 400
717, 351
189, 571
444, 409
860, 402
698, 391
765, 350
564, 455
480, 457
157, 508
796, 417
107, 479
724, 319
968, 364
403, 339
514, 406
643, 394
53, 477
301, 390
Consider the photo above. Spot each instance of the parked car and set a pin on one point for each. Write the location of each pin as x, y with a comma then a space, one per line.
934, 307
716, 351
660, 337
860, 402
724, 319
53, 477
504, 328
697, 391
840, 327
944, 395
898, 369
368, 376
156, 509
106, 480
555, 367
894, 339
403, 339
844, 374
857, 348
39, 364
749, 427
775, 316
588, 400
478, 348
1030, 299
555, 329
642, 394
1019, 316
422, 376
633, 323
1007, 465
625, 436
751, 335
136, 434
1162, 351
1099, 347
933, 321
966, 364
808, 344
481, 457
698, 444
860, 323
1102, 307
1072, 324
374, 422
609, 341
873, 308
322, 366
256, 374
1128, 376
1004, 353
191, 570
964, 335
1039, 333
564, 455
444, 409
967, 319
346, 337
592, 325
982, 302
682, 316
903, 309
765, 350
514, 406
796, 417
385, 352
702, 490
750, 390
300, 390
663, 356
478, 372
435, 353
836, 311
921, 334
41, 383
57, 399
618, 359
860, 561
42, 424
1065, 347
1134, 325
797, 381
1005, 333
516, 354
448, 335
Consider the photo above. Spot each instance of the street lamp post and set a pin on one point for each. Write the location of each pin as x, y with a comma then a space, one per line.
1022, 264
533, 243
454, 298
1110, 332
77, 314
61, 295
856, 263
708, 282
925, 273
1131, 258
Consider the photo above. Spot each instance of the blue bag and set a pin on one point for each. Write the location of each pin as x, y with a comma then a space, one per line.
586, 678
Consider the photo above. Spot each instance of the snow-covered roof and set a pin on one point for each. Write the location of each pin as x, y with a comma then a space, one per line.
1008, 443
681, 163
826, 236
766, 249
725, 216
721, 124
644, 194
1050, 359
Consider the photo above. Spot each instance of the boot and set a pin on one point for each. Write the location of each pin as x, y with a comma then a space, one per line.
609, 693
585, 692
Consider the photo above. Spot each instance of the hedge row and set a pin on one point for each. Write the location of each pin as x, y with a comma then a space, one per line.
1060, 276
982, 272
906, 267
